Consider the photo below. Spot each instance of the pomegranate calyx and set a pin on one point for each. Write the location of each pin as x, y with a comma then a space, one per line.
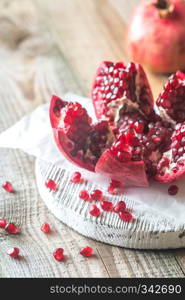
165, 8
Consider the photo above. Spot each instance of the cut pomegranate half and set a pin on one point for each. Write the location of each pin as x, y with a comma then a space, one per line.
77, 138
118, 90
171, 102
172, 164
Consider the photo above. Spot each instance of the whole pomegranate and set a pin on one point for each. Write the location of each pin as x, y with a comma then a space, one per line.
133, 141
156, 35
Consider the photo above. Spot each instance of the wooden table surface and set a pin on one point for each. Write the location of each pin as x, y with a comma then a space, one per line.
51, 47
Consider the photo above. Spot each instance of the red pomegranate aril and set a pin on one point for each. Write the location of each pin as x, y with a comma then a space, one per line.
107, 205
86, 251
7, 186
95, 211
13, 252
84, 195
76, 177
173, 190
126, 216
12, 228
2, 222
45, 228
51, 184
96, 195
59, 254
120, 207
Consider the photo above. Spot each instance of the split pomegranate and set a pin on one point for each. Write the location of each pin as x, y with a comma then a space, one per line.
120, 90
134, 141
77, 138
156, 36
171, 101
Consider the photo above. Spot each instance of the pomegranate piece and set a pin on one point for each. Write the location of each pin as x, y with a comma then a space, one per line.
76, 177
7, 186
171, 166
156, 35
118, 89
80, 141
58, 254
86, 252
126, 216
13, 252
120, 207
12, 228
130, 173
96, 195
2, 222
171, 101
45, 228
107, 205
51, 184
84, 195
95, 211
173, 190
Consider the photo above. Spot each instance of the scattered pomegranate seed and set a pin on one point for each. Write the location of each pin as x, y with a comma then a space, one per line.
59, 254
7, 186
51, 184
76, 177
126, 216
45, 228
87, 251
2, 223
96, 195
114, 187
84, 195
120, 207
95, 211
12, 228
173, 190
106, 205
13, 252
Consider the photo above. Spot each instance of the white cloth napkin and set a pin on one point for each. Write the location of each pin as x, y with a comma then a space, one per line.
33, 135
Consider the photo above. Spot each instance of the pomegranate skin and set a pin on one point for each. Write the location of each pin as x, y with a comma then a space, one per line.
158, 42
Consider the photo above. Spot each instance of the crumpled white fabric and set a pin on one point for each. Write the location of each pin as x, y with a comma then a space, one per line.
33, 135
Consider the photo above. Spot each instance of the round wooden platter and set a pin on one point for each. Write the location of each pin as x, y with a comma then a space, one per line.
151, 229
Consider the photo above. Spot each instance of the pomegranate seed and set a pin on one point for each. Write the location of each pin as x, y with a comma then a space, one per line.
12, 228
45, 228
51, 184
76, 177
7, 186
87, 251
126, 216
95, 211
120, 207
84, 195
114, 187
173, 190
96, 195
59, 254
106, 205
2, 223
13, 252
